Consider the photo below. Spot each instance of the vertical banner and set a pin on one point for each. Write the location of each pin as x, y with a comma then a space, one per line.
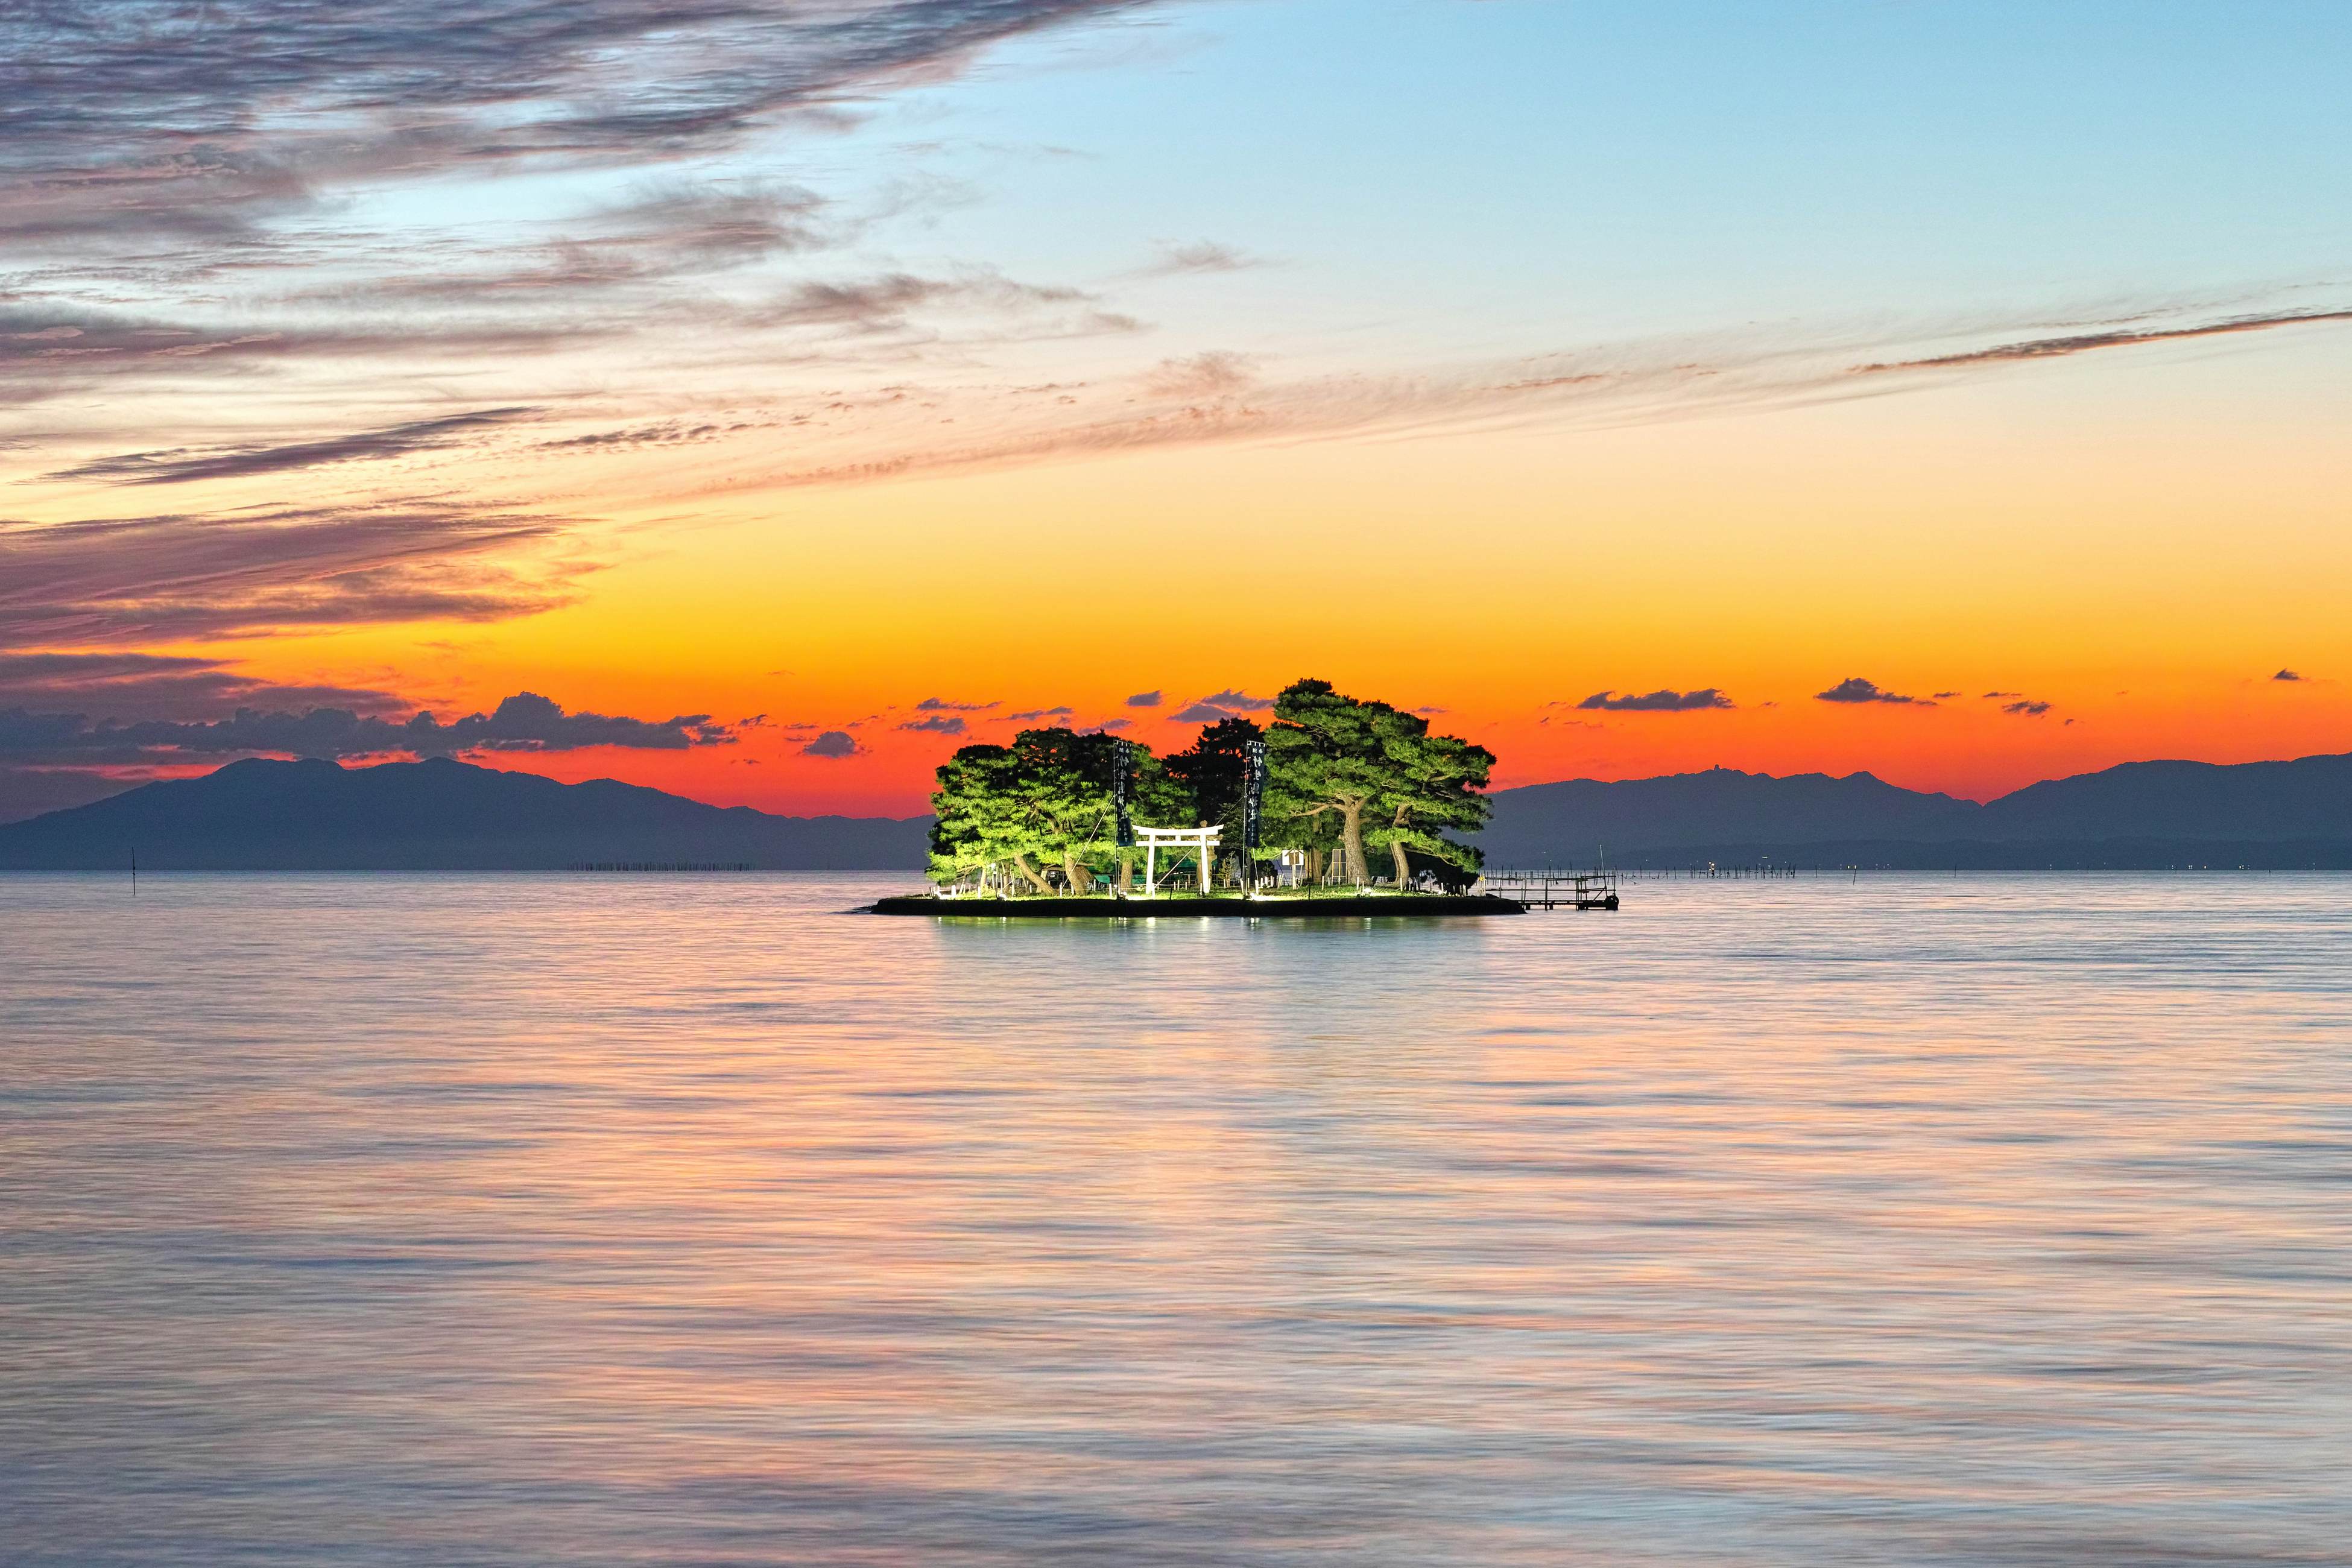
1122, 766
1254, 795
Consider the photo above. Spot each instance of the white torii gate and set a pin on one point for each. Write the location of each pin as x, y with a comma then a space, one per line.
1201, 840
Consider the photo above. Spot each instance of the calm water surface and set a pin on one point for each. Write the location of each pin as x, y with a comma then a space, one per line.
539, 1220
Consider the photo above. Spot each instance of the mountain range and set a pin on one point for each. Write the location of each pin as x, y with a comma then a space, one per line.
2135, 815
442, 814
436, 815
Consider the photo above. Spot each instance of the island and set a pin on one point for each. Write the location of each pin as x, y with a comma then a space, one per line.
1336, 806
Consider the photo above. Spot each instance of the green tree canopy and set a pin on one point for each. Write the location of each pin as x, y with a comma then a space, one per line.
1433, 781
1376, 774
1345, 774
1327, 770
1046, 797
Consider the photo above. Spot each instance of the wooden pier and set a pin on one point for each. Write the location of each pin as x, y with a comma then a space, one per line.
1550, 890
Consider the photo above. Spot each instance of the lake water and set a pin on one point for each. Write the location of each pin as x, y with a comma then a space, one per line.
350, 1220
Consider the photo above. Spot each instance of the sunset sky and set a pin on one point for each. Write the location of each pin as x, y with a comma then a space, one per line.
783, 392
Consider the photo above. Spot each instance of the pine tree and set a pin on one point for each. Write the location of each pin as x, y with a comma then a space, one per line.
1433, 781
1375, 774
1327, 767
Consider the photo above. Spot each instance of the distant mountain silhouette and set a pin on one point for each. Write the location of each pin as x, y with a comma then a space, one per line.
449, 816
2137, 815
436, 815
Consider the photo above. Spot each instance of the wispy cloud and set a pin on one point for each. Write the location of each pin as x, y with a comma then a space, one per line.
1176, 259
2060, 345
124, 684
943, 705
833, 745
2286, 675
176, 576
938, 724
2025, 708
182, 466
1227, 396
1145, 699
670, 232
155, 120
50, 348
1217, 373
888, 303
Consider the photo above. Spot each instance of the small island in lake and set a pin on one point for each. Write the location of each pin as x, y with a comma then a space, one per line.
1337, 805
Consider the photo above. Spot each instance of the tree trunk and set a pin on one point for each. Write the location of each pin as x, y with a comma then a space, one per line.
1396, 847
1081, 880
1021, 864
1352, 841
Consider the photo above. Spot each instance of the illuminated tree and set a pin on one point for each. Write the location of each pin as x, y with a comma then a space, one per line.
1326, 767
982, 815
1374, 775
1433, 781
1046, 797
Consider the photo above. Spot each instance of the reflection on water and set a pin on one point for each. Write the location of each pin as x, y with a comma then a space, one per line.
373, 1220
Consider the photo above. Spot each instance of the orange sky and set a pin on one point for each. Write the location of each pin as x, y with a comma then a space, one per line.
797, 425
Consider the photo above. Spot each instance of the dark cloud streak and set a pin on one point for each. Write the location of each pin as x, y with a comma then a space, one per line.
1853, 689
1664, 700
523, 722
181, 466
2059, 346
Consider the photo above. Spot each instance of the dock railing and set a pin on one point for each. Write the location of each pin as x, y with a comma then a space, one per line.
1550, 890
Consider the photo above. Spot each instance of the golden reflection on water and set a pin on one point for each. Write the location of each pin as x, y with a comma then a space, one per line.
356, 1220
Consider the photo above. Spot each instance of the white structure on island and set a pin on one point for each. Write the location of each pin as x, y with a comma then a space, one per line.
1202, 841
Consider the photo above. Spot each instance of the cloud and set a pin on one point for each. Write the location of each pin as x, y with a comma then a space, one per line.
205, 123
666, 233
181, 466
1995, 696
1942, 696
888, 303
2286, 675
938, 724
2061, 345
1144, 700
942, 705
165, 686
1855, 689
1112, 726
1238, 701
523, 722
177, 577
1199, 400
1218, 374
1203, 256
49, 348
1199, 713
831, 744
1062, 712
2026, 709
659, 433
1660, 702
